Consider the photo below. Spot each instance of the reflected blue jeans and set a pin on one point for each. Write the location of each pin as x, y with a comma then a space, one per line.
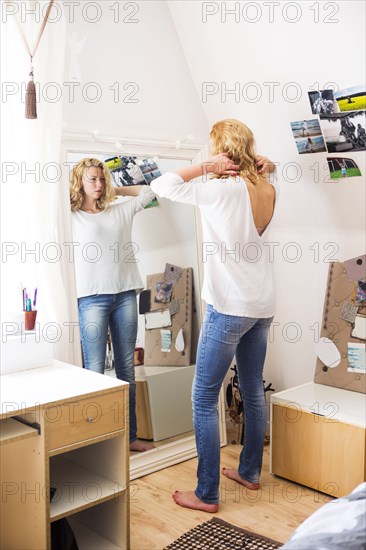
222, 337
119, 311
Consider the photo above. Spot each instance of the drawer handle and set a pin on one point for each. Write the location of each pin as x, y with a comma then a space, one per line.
90, 419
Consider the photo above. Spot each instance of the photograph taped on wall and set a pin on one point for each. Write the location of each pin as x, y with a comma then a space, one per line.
338, 324
323, 102
306, 128
351, 99
311, 145
341, 167
308, 136
129, 170
344, 131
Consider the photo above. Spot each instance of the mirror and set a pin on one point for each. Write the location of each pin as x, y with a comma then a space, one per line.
167, 233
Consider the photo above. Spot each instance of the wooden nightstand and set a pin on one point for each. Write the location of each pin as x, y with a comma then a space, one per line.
318, 437
75, 440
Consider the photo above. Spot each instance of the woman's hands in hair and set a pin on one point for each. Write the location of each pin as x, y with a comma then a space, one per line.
264, 165
220, 165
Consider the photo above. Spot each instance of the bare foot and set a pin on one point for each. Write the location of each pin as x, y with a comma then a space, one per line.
233, 474
141, 446
188, 499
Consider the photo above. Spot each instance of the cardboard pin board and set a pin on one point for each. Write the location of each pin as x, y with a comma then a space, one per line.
168, 325
343, 318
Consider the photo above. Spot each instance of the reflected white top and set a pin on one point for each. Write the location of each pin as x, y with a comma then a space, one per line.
104, 254
238, 275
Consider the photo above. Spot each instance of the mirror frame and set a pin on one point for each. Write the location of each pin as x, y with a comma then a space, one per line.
183, 449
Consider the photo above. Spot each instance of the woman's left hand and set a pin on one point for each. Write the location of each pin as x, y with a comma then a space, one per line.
220, 165
264, 165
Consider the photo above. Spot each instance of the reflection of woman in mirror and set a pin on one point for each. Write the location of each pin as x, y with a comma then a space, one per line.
107, 276
236, 208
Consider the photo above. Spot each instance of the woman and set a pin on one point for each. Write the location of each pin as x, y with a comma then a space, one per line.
236, 207
107, 277
309, 147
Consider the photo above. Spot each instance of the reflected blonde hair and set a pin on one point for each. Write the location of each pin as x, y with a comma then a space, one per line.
76, 184
236, 140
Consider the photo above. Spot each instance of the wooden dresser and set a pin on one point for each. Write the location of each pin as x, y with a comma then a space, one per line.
65, 428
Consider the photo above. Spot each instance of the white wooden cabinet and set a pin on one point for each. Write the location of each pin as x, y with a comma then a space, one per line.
76, 441
163, 397
318, 437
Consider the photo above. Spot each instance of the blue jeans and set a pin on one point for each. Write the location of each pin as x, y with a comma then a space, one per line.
119, 311
222, 337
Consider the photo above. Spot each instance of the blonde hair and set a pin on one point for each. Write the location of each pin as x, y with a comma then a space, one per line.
76, 184
236, 140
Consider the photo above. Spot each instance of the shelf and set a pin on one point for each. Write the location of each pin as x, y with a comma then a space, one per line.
13, 430
87, 539
77, 488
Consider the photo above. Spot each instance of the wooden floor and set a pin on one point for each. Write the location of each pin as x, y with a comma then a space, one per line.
274, 511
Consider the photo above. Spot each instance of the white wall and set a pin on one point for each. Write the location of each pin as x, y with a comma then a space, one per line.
147, 53
311, 209
170, 52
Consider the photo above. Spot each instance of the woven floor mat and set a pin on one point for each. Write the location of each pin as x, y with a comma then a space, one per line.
217, 534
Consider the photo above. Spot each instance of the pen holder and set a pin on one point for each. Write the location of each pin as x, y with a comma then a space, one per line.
30, 319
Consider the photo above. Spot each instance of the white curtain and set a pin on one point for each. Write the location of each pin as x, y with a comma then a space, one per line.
32, 182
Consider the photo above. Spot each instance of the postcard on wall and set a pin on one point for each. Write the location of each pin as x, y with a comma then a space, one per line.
356, 357
352, 98
344, 131
323, 102
149, 169
341, 167
308, 136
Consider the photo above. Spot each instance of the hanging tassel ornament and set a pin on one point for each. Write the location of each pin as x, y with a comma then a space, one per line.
30, 94
31, 98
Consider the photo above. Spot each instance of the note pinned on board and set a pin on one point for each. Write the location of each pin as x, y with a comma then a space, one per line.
356, 268
356, 357
158, 319
348, 312
166, 340
328, 352
359, 330
179, 341
172, 273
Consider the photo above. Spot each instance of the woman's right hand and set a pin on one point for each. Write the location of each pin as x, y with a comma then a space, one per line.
220, 165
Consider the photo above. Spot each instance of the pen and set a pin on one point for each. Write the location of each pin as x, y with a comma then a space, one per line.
35, 297
29, 305
24, 304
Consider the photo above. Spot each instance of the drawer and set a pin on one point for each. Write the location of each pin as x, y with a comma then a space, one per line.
84, 419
